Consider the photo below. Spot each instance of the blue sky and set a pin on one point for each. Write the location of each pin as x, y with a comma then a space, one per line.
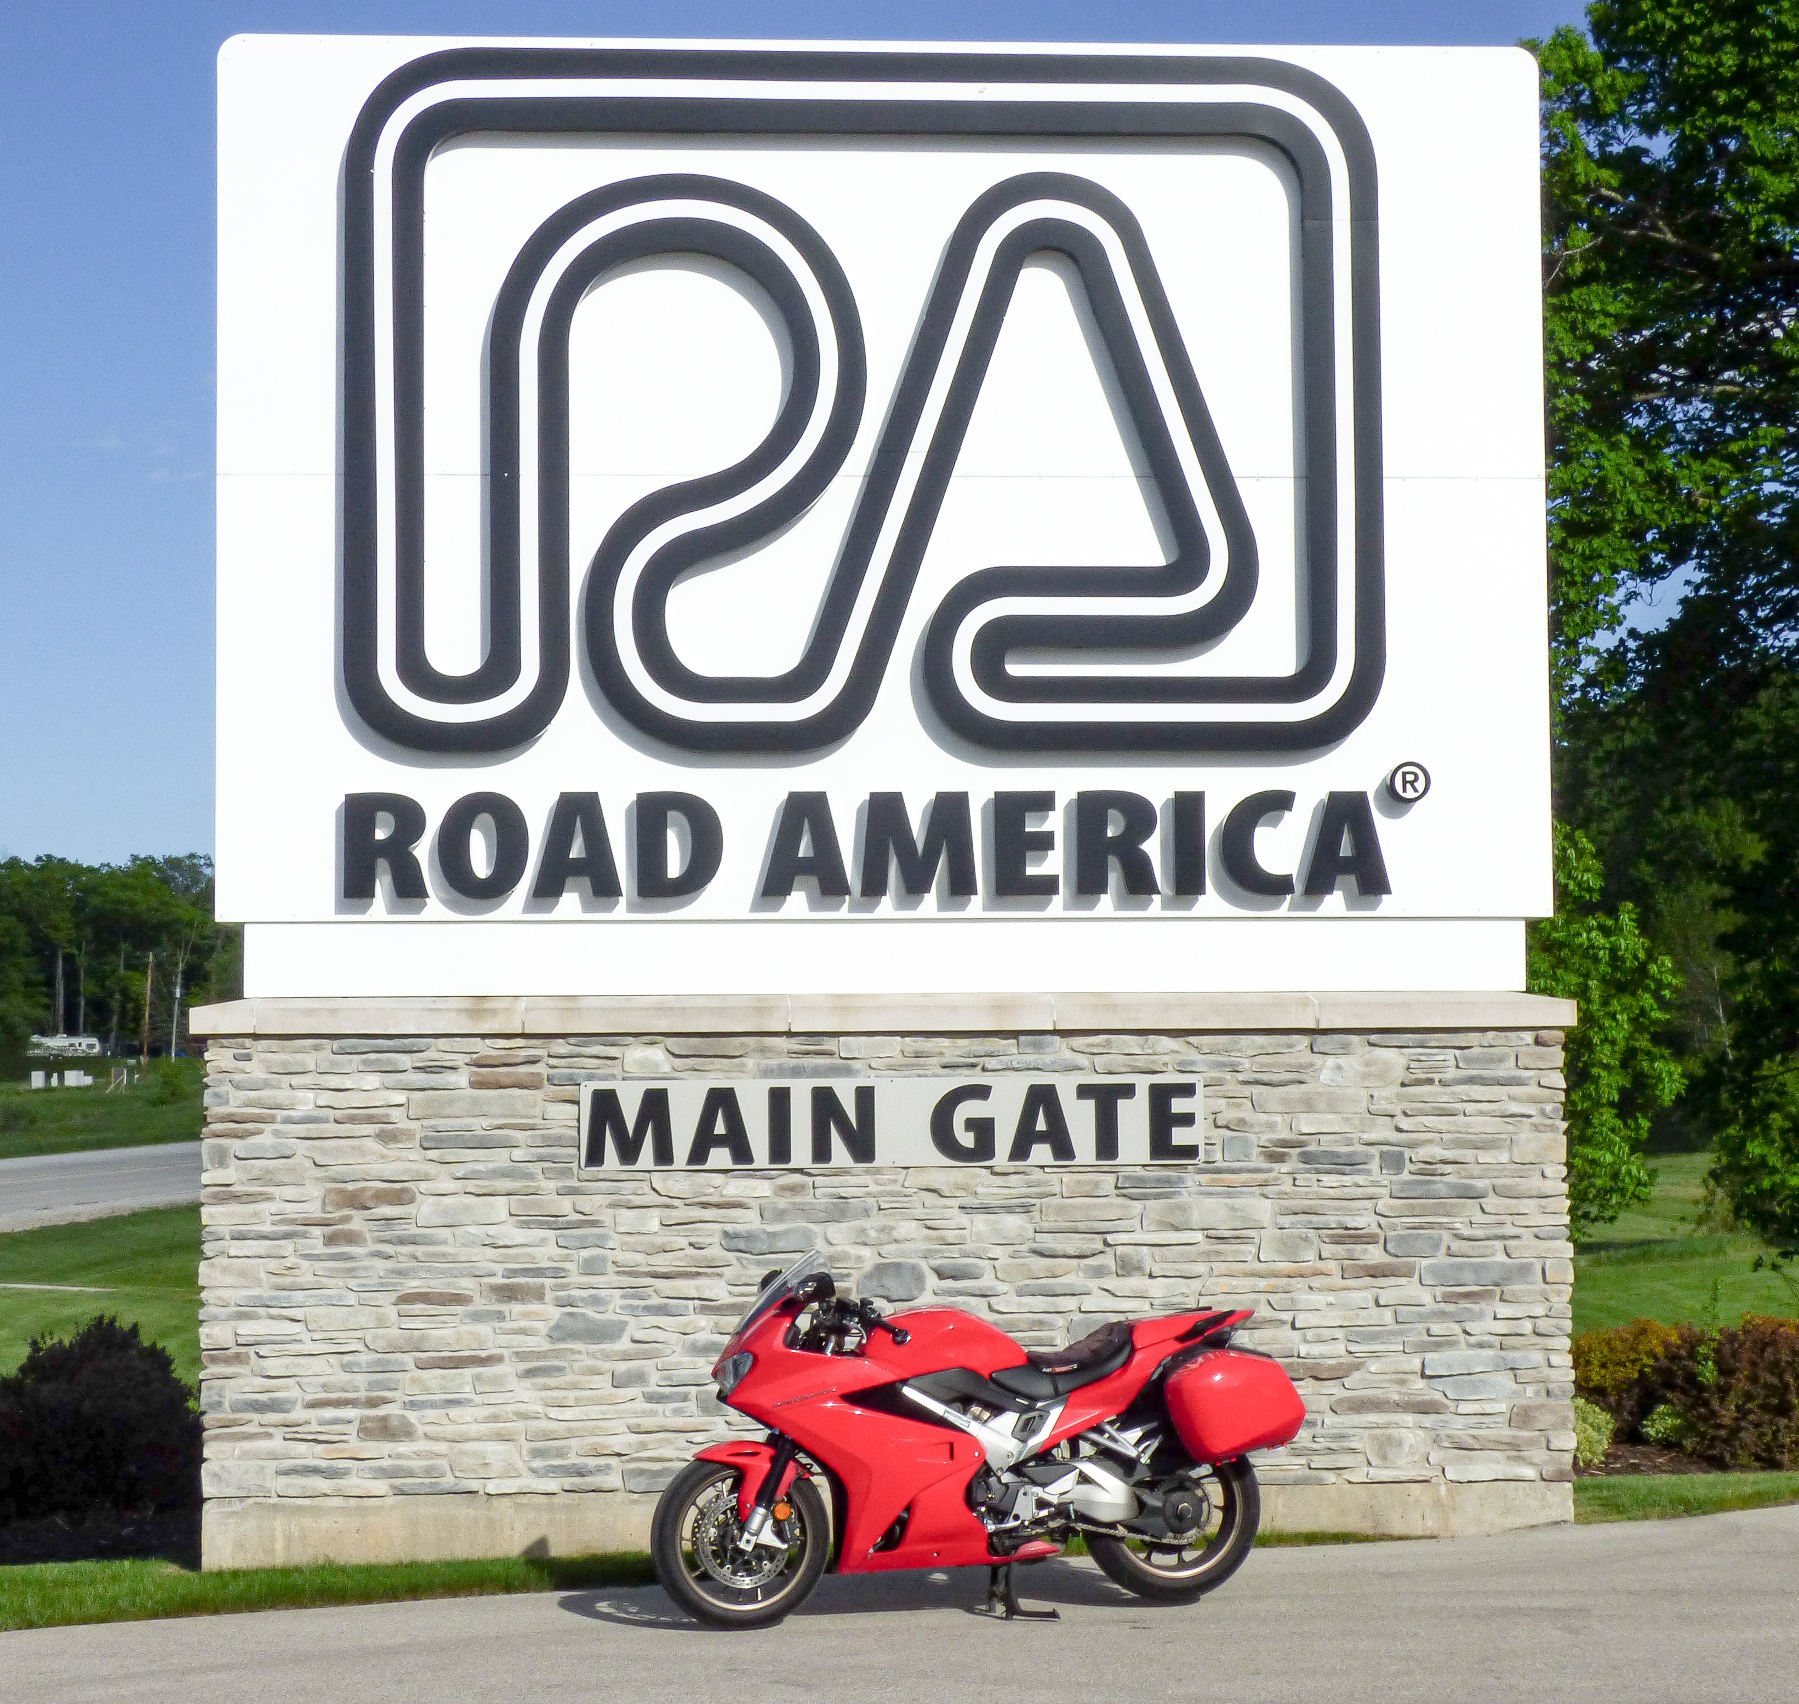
106, 356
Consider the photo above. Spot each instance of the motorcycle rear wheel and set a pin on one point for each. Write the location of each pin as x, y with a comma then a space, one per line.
1172, 1571
693, 1546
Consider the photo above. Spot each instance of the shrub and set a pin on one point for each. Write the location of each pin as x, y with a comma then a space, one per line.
172, 1080
1619, 1073
1616, 1368
1665, 1425
1593, 1429
1736, 1392
96, 1422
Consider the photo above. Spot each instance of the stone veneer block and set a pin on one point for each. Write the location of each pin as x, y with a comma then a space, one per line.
424, 1335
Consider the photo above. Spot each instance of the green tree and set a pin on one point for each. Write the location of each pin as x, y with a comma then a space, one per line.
1619, 1075
1671, 197
41, 897
1671, 193
21, 992
1754, 1086
92, 942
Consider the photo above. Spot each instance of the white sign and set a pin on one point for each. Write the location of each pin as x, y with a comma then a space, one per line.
704, 518
691, 1124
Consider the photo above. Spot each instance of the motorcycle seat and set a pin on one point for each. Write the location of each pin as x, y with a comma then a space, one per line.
1049, 1373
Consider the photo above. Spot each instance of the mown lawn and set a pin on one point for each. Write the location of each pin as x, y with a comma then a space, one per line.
163, 1108
143, 1267
1654, 1264
60, 1594
1665, 1496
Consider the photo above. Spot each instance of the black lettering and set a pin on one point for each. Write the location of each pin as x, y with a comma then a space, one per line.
803, 816
455, 838
980, 1147
1105, 1098
365, 850
1097, 845
1347, 814
706, 844
606, 1118
1013, 844
780, 1127
720, 1126
1188, 825
1164, 1121
577, 816
1237, 843
1041, 1120
829, 1115
948, 835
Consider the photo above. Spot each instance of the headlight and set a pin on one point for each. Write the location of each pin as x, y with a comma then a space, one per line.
731, 1373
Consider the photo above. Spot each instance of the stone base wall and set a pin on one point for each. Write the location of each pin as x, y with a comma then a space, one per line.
424, 1335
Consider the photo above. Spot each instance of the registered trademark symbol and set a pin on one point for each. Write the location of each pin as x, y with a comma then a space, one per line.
1409, 782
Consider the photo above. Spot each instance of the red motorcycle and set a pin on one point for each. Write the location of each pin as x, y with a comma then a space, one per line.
932, 1440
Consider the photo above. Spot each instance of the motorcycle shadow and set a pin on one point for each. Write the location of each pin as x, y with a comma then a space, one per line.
1045, 1585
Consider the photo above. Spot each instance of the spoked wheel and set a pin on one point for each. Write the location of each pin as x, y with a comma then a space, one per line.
693, 1543
1212, 1523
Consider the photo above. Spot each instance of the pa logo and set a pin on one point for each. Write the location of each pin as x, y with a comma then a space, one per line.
1256, 630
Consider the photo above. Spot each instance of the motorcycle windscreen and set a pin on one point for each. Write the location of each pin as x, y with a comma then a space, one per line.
780, 1287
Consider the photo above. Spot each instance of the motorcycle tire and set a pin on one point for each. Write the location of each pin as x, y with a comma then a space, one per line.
692, 1545
1185, 1576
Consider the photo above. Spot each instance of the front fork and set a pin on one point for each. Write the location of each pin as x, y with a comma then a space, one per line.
760, 1518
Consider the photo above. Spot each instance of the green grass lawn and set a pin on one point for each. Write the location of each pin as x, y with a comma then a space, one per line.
60, 1594
1663, 1496
144, 1267
1653, 1264
165, 1108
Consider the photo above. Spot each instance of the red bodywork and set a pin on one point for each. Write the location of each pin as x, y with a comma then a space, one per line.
886, 1463
1228, 1403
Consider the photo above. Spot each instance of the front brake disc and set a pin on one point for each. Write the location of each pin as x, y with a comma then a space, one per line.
716, 1530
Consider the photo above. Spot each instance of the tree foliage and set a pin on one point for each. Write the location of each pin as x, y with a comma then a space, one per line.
1753, 1087
98, 933
1671, 183
1671, 180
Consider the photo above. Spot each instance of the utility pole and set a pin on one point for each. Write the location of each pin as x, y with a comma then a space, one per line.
175, 1002
149, 966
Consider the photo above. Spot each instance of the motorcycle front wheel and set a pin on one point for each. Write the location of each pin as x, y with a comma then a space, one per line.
1178, 1570
693, 1544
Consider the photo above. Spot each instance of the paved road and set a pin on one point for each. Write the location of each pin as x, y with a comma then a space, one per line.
58, 1189
1683, 1611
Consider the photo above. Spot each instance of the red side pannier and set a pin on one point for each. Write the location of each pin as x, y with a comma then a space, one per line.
1229, 1402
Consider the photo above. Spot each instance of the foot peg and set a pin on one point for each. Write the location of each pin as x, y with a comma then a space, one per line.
1002, 1599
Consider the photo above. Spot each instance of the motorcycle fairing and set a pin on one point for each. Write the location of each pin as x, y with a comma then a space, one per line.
888, 1463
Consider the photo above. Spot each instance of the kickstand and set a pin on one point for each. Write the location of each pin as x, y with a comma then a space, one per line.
1002, 1599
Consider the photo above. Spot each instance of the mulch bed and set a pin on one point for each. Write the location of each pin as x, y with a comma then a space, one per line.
1642, 1458
174, 1534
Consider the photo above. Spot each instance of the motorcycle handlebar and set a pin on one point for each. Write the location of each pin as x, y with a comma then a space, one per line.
841, 1311
873, 1320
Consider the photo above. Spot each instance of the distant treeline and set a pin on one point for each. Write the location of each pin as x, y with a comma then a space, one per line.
112, 950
